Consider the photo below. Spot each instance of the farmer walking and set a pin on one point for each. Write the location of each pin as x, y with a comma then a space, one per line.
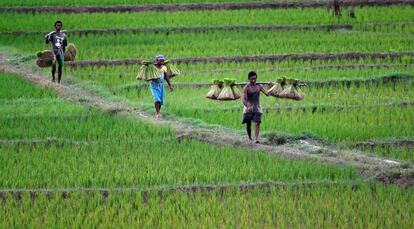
252, 110
157, 86
59, 43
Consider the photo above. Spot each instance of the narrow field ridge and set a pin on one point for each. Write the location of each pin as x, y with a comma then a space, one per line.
192, 188
203, 6
195, 29
396, 143
315, 108
263, 58
375, 80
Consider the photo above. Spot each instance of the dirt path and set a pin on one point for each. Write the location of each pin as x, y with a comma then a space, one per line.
385, 170
203, 6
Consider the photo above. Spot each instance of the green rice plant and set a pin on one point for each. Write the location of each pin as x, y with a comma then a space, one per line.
100, 150
134, 46
14, 109
117, 77
327, 97
253, 17
334, 113
47, 142
190, 102
400, 152
20, 88
105, 2
128, 164
55, 125
359, 206
349, 125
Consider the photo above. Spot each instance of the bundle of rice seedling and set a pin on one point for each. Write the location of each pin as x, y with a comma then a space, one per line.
172, 70
215, 89
277, 87
70, 52
45, 58
229, 91
236, 91
147, 71
292, 91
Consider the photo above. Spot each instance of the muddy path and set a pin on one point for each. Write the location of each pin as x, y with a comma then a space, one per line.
204, 6
388, 171
262, 58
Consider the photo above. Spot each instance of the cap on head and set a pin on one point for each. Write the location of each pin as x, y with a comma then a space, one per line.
159, 57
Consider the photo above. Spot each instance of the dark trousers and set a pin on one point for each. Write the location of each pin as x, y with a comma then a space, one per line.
60, 66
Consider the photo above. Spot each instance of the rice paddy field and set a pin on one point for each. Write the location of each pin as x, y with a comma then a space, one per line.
64, 164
